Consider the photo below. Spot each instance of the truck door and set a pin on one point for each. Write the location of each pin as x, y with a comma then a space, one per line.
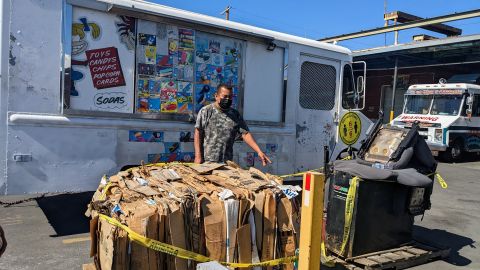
319, 79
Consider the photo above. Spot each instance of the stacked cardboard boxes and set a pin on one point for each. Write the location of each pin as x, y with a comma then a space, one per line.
221, 211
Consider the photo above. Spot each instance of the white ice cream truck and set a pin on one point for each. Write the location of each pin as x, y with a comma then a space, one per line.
91, 86
449, 116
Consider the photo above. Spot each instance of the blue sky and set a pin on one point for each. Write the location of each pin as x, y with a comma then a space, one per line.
317, 19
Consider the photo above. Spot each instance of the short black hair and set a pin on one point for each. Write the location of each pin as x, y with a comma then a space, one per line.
223, 85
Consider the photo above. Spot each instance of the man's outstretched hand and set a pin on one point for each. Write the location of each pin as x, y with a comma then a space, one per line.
264, 158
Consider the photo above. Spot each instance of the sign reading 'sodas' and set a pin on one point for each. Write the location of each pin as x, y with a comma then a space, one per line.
112, 100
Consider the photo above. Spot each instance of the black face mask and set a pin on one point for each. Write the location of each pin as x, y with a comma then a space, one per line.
225, 103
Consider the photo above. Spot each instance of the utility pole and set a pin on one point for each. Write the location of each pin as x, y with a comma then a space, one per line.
386, 21
227, 13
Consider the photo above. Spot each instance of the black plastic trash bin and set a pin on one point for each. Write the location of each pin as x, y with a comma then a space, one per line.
380, 218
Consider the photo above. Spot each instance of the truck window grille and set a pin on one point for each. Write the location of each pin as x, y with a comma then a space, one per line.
317, 86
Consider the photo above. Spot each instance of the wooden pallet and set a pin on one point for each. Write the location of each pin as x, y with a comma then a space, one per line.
410, 255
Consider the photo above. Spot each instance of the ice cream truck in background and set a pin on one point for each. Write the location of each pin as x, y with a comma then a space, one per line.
449, 116
91, 86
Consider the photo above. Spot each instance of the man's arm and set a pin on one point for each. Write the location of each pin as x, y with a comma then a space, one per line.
248, 138
197, 142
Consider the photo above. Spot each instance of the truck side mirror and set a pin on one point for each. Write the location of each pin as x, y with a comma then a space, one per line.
469, 102
360, 85
360, 88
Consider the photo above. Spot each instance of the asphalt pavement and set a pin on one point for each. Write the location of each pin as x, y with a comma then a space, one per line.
52, 232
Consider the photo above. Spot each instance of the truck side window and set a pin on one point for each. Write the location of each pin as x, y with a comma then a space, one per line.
476, 105
348, 91
317, 86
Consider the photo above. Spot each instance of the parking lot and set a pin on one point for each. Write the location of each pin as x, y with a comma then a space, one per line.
52, 233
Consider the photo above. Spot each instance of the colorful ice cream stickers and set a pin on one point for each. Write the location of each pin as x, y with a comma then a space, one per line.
172, 46
214, 46
170, 157
216, 59
154, 104
147, 40
202, 57
185, 97
164, 60
164, 72
230, 75
250, 159
185, 57
146, 69
186, 136
145, 136
184, 73
186, 39
204, 95
150, 55
143, 105
209, 74
168, 97
271, 148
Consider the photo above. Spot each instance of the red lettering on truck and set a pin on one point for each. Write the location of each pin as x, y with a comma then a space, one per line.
105, 68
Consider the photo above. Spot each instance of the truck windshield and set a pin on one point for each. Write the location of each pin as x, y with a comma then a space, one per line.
446, 105
417, 104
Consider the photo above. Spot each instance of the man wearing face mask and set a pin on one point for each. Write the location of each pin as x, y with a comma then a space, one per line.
217, 127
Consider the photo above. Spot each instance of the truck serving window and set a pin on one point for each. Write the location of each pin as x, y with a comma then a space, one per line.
446, 104
417, 104
476, 105
123, 66
178, 69
317, 86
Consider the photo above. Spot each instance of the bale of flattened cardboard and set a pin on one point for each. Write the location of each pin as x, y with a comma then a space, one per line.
222, 211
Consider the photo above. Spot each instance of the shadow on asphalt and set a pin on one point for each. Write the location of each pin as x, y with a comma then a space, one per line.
66, 212
443, 238
468, 157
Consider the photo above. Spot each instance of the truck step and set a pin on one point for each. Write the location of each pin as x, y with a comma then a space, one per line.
412, 254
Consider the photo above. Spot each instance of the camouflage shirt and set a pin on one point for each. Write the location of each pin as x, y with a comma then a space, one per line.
219, 129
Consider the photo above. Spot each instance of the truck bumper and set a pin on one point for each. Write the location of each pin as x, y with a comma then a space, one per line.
436, 147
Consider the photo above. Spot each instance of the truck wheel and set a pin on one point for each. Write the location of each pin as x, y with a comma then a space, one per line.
3, 242
454, 153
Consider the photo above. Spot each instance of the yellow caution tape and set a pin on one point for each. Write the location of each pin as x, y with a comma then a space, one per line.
326, 260
442, 181
349, 205
304, 172
105, 190
299, 173
169, 163
185, 254
161, 164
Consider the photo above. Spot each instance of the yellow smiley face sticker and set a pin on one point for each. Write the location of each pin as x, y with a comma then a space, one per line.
349, 128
